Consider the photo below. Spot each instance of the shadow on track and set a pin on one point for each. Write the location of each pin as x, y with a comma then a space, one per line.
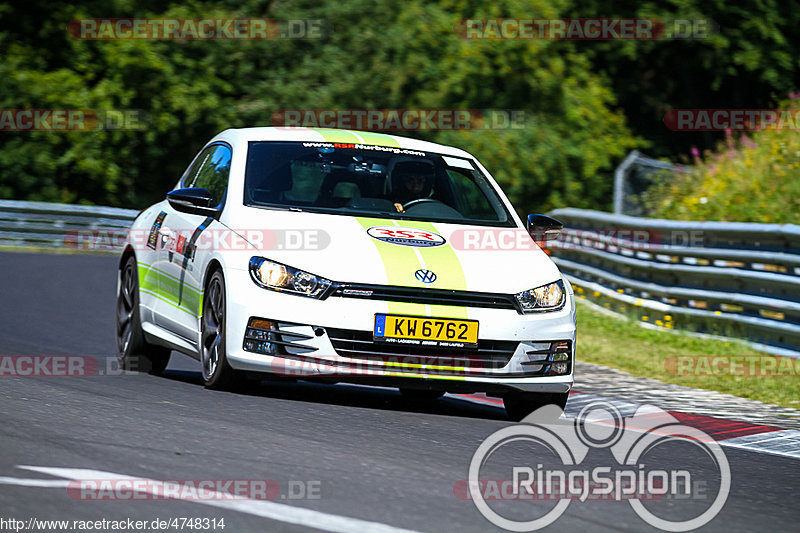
350, 395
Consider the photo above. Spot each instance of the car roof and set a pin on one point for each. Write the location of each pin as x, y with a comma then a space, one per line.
243, 135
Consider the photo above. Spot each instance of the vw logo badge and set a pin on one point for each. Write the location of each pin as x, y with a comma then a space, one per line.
425, 276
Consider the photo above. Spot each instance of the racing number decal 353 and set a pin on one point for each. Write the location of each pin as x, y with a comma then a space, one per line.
403, 236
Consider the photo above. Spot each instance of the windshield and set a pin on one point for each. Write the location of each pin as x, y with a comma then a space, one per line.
353, 179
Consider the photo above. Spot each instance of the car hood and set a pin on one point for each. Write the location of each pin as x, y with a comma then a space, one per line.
372, 250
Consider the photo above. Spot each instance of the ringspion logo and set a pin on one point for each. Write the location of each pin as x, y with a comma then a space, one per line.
649, 482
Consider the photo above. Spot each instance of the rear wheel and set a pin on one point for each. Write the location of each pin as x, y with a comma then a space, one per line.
419, 395
133, 351
217, 373
521, 404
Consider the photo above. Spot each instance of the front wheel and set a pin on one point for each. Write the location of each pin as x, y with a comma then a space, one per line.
133, 351
521, 404
217, 373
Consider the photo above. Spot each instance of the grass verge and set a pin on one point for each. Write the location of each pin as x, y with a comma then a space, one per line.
672, 357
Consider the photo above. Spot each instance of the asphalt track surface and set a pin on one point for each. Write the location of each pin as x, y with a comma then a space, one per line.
367, 453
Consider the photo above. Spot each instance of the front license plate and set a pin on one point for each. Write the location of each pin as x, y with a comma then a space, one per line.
426, 331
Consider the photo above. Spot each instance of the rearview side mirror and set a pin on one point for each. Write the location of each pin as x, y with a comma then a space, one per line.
193, 200
543, 228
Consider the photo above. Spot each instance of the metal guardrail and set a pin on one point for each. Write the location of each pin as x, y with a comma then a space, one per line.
65, 226
631, 178
723, 278
736, 279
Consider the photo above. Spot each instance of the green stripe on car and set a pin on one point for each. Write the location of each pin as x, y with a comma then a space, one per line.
164, 287
401, 262
361, 137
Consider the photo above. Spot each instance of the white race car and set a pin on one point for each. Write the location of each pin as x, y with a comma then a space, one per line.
348, 256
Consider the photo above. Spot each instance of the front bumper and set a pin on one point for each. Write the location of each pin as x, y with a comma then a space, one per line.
331, 340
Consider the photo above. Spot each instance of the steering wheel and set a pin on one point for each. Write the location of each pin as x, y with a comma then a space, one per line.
417, 202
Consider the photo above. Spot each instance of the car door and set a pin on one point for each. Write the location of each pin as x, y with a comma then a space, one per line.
184, 256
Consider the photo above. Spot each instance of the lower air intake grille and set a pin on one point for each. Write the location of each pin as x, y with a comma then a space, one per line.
359, 345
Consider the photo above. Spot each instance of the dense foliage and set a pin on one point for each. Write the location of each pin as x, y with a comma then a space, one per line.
587, 103
752, 178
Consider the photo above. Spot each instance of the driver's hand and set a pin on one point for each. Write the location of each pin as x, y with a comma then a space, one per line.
399, 208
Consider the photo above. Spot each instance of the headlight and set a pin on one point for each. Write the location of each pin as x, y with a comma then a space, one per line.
548, 297
271, 275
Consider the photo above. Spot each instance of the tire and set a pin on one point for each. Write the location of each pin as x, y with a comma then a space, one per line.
217, 372
421, 395
133, 351
520, 404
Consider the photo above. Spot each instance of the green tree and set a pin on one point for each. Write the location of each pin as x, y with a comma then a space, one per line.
585, 103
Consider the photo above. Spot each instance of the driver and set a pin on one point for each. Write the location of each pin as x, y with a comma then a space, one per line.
411, 180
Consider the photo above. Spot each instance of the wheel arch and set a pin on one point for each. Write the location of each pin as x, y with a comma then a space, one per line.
128, 252
213, 265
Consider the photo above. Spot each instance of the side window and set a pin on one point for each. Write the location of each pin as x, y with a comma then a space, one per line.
210, 171
191, 172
